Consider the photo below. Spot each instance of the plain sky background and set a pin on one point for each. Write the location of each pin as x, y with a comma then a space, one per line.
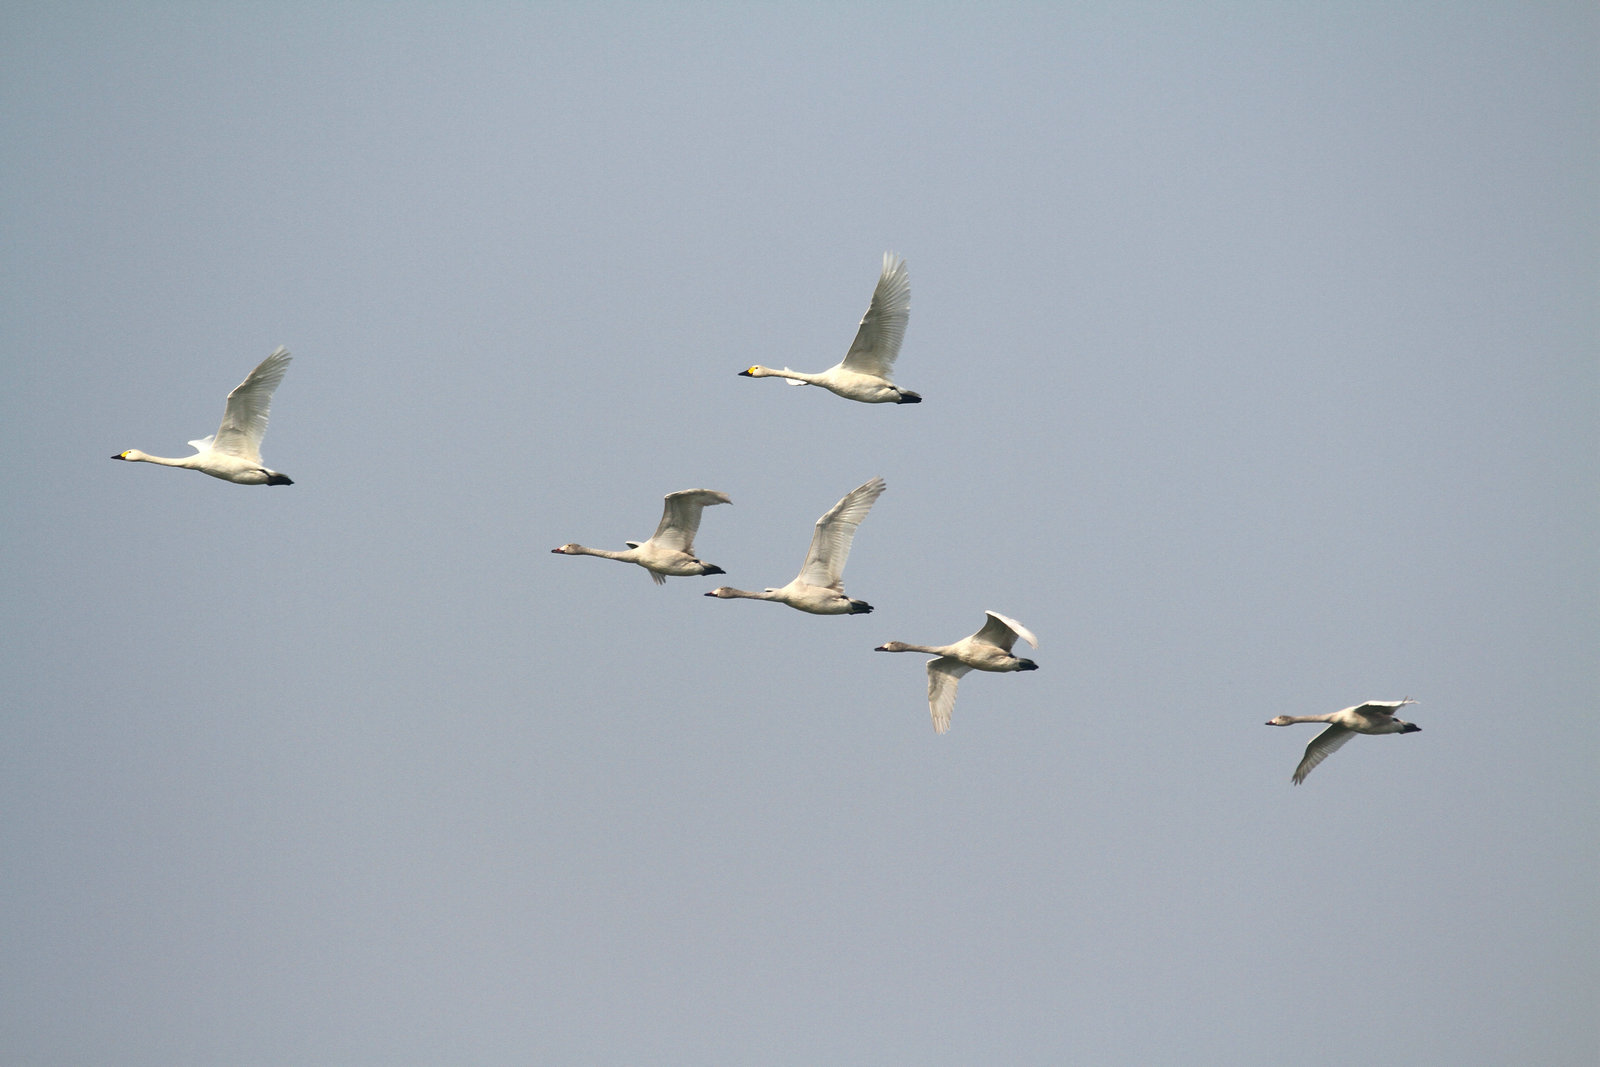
1258, 344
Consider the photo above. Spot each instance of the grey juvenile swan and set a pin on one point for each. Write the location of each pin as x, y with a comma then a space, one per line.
671, 549
987, 650
1373, 717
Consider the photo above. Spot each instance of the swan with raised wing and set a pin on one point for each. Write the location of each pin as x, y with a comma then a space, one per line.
864, 372
233, 453
670, 549
819, 588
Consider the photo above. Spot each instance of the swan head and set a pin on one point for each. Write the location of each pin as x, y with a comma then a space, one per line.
751, 372
567, 550
132, 453
1281, 720
722, 592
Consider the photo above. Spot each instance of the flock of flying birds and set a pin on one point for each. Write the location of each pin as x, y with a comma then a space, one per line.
233, 454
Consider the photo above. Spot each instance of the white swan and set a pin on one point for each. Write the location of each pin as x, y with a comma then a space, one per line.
670, 549
1373, 717
819, 588
863, 374
233, 453
987, 650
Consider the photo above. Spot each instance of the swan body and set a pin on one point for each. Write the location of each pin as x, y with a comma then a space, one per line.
670, 549
819, 587
863, 374
1373, 717
233, 453
987, 650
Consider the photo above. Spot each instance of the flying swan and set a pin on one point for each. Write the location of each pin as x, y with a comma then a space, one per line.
987, 650
670, 549
864, 372
233, 453
819, 588
1373, 717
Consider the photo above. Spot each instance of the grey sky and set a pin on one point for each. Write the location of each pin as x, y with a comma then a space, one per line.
1258, 345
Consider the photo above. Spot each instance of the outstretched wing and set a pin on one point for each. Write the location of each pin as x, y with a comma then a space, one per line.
244, 420
680, 519
830, 543
1321, 747
883, 327
1002, 631
943, 675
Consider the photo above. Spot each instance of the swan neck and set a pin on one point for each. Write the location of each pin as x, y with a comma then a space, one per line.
603, 553
145, 457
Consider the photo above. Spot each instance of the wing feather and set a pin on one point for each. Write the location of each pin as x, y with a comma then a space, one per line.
877, 342
1002, 631
830, 542
1321, 747
680, 518
943, 675
244, 420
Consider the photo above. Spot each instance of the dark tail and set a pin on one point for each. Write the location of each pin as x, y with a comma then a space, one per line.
712, 568
908, 397
1410, 728
274, 478
860, 607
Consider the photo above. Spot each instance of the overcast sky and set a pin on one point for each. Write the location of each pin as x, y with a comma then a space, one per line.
1258, 346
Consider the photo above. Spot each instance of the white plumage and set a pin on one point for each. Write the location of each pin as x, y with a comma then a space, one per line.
233, 453
863, 374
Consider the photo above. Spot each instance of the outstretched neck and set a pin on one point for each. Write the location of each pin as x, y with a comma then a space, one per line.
729, 593
133, 455
603, 553
759, 371
901, 646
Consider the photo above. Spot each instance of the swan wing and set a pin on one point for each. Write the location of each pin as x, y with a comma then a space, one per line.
1382, 709
1002, 631
244, 420
1321, 747
943, 675
680, 519
830, 542
883, 327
